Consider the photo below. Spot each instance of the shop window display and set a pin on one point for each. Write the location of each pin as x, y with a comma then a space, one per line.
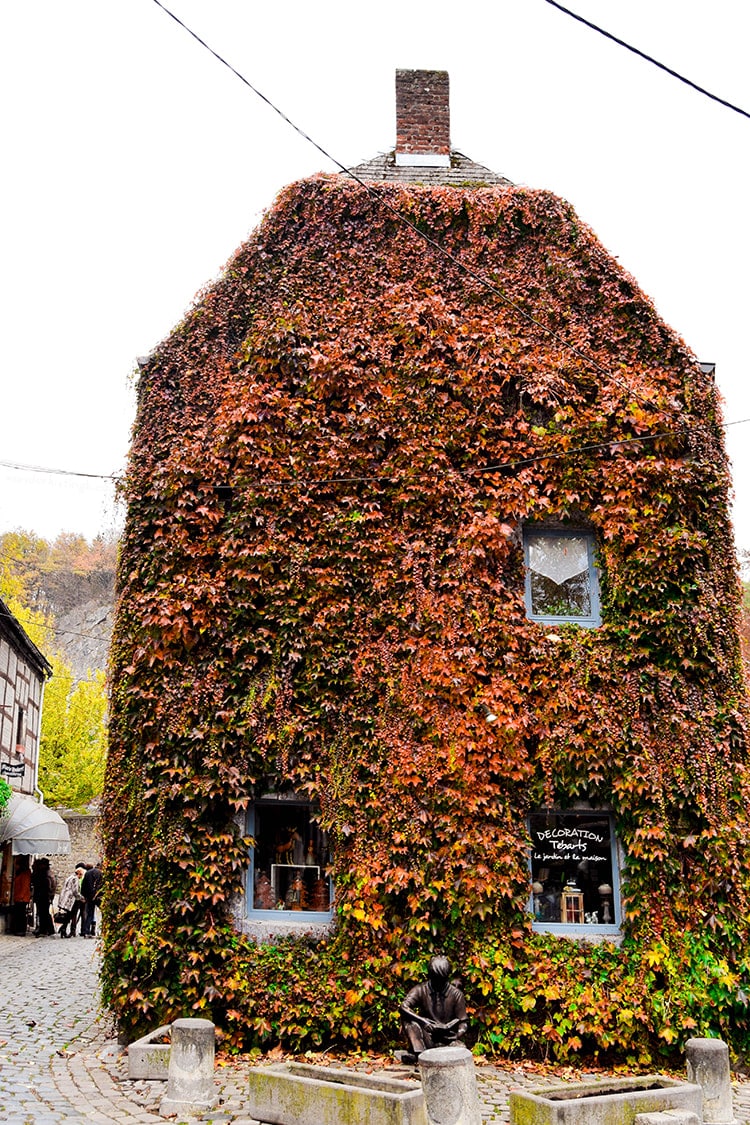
289, 870
574, 876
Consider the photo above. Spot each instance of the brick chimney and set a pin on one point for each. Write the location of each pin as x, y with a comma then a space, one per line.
423, 133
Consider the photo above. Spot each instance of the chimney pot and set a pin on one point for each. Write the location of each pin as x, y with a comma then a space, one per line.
423, 119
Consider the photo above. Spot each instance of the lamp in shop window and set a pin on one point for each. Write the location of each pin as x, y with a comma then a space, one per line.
605, 894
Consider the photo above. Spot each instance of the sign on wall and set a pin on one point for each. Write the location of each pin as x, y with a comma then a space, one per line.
12, 769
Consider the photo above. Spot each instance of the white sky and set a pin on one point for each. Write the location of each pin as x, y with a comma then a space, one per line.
135, 164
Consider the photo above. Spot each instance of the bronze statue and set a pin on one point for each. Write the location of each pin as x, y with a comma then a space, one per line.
434, 1012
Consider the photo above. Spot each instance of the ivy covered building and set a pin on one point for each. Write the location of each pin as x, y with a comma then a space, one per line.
427, 634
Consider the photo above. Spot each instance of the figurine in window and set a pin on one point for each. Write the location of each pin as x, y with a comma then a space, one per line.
284, 846
319, 899
264, 899
298, 848
295, 894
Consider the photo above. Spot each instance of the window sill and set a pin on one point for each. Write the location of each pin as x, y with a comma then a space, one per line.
291, 917
581, 933
271, 925
583, 622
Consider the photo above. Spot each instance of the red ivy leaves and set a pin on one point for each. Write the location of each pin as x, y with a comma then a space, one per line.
322, 578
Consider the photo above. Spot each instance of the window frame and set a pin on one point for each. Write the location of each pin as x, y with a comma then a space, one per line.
300, 918
583, 929
590, 621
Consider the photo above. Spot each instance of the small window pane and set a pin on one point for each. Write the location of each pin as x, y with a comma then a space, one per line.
572, 870
561, 577
560, 580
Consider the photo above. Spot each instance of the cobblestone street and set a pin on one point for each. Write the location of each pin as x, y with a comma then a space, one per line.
60, 1062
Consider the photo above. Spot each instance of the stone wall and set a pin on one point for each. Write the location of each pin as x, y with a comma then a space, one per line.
85, 843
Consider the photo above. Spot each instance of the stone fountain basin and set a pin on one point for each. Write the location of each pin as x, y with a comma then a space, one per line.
611, 1102
149, 1057
303, 1094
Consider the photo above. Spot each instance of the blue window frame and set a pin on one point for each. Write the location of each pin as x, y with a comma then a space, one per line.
562, 584
288, 873
575, 878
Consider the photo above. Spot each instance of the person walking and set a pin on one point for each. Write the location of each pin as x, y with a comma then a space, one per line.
68, 904
43, 888
79, 906
91, 888
21, 895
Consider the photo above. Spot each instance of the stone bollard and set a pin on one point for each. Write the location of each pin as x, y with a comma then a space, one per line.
190, 1089
708, 1067
450, 1086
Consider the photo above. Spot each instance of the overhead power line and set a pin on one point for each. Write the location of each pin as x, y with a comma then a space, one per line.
379, 197
58, 472
573, 449
53, 629
480, 278
471, 470
649, 58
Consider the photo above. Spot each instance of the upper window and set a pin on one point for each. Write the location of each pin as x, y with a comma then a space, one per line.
561, 577
289, 868
574, 872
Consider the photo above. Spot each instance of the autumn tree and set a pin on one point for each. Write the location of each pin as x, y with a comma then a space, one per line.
72, 749
74, 738
22, 556
52, 577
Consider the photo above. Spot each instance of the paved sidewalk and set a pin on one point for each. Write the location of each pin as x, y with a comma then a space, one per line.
60, 1062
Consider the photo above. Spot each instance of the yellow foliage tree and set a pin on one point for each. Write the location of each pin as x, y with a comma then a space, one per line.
21, 554
74, 738
74, 732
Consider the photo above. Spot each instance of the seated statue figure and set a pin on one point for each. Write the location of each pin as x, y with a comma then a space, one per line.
433, 1013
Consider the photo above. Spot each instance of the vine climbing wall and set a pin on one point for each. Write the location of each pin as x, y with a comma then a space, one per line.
322, 582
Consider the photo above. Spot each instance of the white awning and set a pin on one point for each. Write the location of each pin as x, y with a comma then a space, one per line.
34, 829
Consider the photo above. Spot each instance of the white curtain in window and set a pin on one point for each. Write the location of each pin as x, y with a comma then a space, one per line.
558, 557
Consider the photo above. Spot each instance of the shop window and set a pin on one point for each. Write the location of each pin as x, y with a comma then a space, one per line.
290, 860
574, 871
561, 576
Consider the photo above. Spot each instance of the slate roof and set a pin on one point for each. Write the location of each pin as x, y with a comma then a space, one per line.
462, 173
